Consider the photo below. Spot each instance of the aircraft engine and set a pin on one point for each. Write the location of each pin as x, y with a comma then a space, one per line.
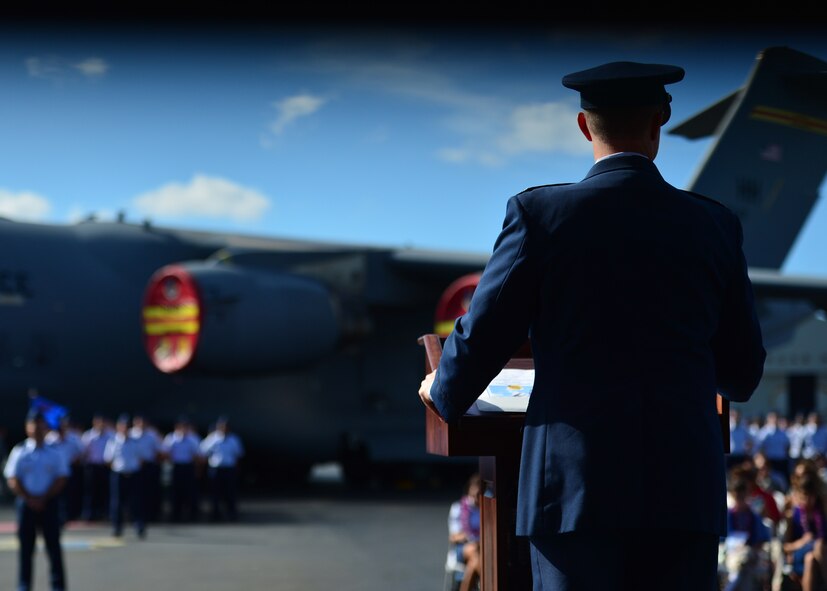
454, 302
219, 318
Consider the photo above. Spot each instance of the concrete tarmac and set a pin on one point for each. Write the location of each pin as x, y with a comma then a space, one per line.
320, 538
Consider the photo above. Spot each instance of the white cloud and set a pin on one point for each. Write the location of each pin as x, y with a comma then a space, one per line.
204, 196
92, 67
24, 205
48, 67
58, 69
489, 129
544, 127
76, 213
492, 137
402, 74
293, 108
454, 155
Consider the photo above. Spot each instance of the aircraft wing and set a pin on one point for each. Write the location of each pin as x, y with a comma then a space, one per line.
435, 263
770, 284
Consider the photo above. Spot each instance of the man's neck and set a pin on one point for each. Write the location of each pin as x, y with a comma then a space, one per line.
622, 154
603, 148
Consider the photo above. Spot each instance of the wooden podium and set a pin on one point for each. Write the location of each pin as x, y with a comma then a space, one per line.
497, 439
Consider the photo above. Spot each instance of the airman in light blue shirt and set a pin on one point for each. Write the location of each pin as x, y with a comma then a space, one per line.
124, 455
182, 448
36, 473
223, 450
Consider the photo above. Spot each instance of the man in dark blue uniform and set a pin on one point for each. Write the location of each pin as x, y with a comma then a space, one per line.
637, 304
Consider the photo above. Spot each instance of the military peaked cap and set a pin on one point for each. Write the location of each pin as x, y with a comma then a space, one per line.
623, 84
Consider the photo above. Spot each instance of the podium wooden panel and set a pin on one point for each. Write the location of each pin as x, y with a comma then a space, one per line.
497, 439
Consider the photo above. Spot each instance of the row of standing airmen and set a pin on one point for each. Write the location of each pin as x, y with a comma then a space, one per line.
127, 460
783, 442
113, 471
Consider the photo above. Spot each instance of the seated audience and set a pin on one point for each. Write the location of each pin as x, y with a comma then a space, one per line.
469, 516
803, 538
747, 563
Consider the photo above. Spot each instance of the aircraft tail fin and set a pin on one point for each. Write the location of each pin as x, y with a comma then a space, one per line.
771, 153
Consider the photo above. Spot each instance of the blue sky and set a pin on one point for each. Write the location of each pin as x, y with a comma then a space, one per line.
393, 136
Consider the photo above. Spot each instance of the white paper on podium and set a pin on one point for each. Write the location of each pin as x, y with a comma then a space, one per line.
508, 392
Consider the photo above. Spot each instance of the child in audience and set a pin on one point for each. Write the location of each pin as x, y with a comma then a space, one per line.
805, 532
747, 563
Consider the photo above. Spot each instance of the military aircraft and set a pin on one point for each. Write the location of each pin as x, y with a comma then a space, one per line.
311, 348
766, 165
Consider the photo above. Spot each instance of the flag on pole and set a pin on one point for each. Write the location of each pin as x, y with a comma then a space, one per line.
51, 411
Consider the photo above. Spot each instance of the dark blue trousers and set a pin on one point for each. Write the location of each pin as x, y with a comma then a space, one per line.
70, 499
126, 493
625, 560
184, 492
74, 492
223, 483
95, 491
153, 496
48, 522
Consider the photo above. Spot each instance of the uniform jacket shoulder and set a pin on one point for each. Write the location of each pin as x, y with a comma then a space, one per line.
719, 211
707, 199
536, 196
541, 187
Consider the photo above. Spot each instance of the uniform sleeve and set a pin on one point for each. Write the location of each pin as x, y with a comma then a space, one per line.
496, 323
62, 465
84, 446
737, 344
77, 449
10, 469
109, 451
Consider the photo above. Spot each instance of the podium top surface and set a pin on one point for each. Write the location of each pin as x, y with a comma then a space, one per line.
495, 433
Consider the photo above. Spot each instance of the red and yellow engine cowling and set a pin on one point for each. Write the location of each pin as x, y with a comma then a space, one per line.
454, 302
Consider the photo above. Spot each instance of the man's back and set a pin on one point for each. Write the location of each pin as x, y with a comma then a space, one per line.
638, 306
635, 277
634, 297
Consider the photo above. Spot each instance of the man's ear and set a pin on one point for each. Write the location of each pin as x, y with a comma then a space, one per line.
657, 121
584, 128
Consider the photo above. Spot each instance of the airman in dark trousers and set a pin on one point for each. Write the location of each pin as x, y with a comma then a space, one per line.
36, 474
